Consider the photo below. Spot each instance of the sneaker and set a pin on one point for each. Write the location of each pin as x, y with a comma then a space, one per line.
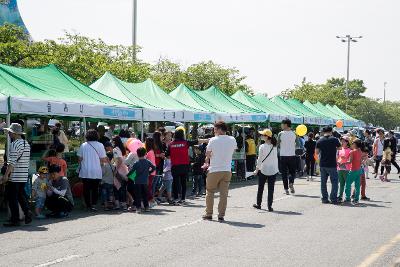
182, 201
221, 219
257, 206
207, 217
62, 215
153, 204
28, 218
287, 191
355, 202
93, 209
147, 209
325, 201
40, 217
270, 209
132, 209
365, 198
308, 178
382, 178
291, 188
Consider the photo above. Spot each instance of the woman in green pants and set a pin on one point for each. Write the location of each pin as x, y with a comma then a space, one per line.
343, 165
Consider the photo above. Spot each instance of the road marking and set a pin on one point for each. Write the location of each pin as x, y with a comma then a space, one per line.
64, 259
174, 227
167, 229
380, 251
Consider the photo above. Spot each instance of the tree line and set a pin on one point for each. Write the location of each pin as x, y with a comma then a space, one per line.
87, 59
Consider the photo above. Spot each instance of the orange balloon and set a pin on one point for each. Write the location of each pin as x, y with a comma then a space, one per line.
339, 124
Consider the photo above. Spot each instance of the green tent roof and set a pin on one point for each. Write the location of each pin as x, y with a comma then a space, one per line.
190, 98
49, 83
281, 103
340, 112
249, 101
229, 105
146, 94
316, 108
267, 103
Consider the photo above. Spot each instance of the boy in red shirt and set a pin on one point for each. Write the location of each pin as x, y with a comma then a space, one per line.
55, 157
355, 171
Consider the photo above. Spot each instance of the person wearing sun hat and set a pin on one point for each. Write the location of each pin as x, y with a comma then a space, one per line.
267, 167
16, 175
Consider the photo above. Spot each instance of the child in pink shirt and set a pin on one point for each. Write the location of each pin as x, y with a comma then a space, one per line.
343, 165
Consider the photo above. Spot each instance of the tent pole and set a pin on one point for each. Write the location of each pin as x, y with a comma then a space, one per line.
8, 122
84, 126
244, 152
142, 127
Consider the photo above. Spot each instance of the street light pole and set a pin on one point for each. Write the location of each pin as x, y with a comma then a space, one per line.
134, 30
384, 92
348, 39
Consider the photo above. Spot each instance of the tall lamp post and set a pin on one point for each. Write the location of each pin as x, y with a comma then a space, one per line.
134, 29
384, 92
348, 39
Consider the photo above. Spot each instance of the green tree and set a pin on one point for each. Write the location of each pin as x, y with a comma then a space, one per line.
167, 74
205, 74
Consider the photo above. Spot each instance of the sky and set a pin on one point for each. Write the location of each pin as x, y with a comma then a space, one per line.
275, 44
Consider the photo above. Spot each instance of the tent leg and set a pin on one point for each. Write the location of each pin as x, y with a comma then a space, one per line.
142, 130
8, 122
84, 126
244, 151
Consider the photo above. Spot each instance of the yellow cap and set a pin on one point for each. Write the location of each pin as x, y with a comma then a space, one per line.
43, 169
266, 132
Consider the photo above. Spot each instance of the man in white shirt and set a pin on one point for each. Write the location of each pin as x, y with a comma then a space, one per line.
287, 140
219, 159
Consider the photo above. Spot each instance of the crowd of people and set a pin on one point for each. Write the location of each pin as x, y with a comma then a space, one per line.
135, 177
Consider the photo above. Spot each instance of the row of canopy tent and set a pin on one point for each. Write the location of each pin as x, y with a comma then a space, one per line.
49, 91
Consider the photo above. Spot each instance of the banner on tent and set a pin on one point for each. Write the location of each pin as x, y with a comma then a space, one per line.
70, 109
163, 115
203, 117
3, 105
242, 117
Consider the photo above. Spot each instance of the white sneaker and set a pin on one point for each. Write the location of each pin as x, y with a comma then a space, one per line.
153, 204
308, 178
287, 192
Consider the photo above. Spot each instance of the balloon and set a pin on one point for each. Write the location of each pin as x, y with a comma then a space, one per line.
77, 190
301, 130
339, 124
133, 144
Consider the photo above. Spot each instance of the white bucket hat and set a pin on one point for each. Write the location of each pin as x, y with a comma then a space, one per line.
15, 128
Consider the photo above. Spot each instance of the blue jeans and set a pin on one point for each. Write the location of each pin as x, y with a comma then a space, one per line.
107, 192
197, 184
333, 174
156, 184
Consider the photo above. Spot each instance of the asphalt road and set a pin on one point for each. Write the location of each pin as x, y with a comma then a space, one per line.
301, 232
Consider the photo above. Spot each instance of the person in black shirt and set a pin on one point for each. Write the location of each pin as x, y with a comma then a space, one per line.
197, 171
393, 147
310, 145
327, 148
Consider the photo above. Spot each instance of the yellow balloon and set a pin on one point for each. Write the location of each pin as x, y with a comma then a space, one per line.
301, 130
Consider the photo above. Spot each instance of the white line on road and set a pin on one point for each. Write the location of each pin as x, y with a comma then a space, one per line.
59, 260
174, 227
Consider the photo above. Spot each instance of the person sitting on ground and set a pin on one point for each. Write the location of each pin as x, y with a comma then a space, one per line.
139, 187
39, 189
59, 197
107, 182
55, 157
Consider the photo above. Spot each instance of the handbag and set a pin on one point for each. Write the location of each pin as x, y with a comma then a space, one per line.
132, 175
266, 158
